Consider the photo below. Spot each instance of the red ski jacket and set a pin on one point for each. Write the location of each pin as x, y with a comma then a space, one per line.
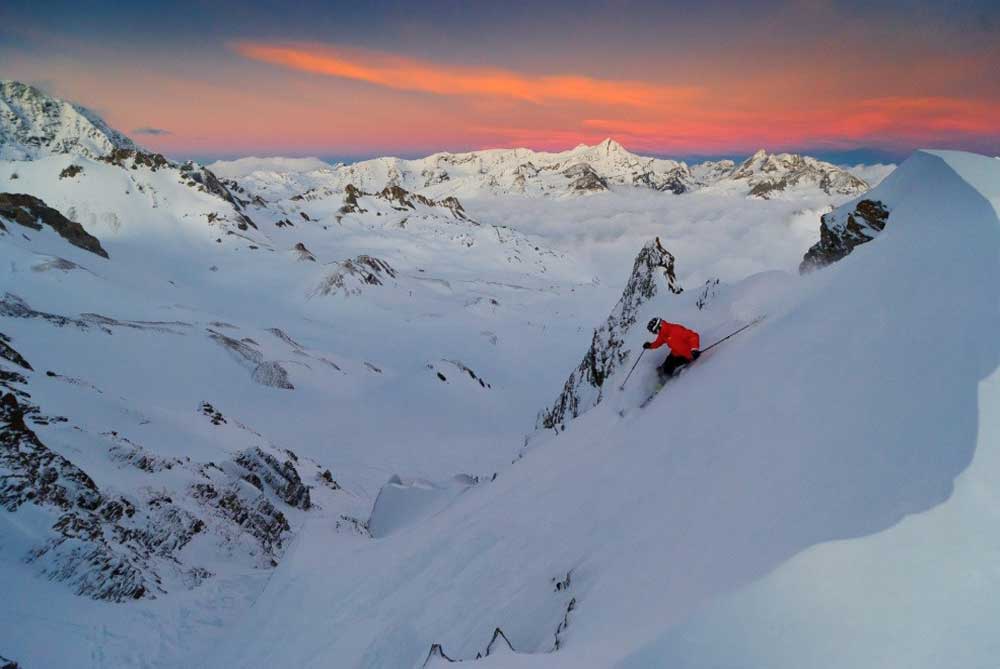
680, 340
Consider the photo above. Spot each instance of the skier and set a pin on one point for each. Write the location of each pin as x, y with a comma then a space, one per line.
684, 345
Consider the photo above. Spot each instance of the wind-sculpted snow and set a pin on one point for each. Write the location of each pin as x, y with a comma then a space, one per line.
584, 388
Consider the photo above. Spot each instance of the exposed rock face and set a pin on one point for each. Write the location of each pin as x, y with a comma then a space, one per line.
204, 180
352, 275
266, 471
118, 548
33, 124
767, 174
844, 229
403, 199
303, 252
499, 643
31, 212
70, 172
351, 205
585, 178
8, 353
132, 158
33, 473
676, 181
105, 546
584, 388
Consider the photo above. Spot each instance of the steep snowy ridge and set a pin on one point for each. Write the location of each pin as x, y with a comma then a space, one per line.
34, 124
803, 430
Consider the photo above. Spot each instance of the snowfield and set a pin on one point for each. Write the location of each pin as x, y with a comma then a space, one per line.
294, 416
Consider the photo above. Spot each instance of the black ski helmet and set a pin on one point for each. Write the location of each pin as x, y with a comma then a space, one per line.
654, 325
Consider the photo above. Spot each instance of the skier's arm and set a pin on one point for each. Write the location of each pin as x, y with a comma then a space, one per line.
660, 340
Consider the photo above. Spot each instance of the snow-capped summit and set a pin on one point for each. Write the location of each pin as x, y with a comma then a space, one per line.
34, 124
582, 170
769, 173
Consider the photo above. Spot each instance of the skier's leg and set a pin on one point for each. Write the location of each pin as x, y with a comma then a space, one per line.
670, 366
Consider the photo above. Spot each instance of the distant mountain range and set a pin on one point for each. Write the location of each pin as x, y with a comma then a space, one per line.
34, 124
584, 169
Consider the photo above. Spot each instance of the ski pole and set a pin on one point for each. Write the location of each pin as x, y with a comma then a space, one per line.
733, 334
632, 370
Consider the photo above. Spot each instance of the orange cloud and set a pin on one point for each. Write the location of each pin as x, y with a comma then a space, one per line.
884, 121
414, 75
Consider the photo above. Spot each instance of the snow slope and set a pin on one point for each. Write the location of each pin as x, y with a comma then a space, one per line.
279, 421
923, 592
835, 419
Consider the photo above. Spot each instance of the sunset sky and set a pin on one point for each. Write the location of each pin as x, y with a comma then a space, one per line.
209, 79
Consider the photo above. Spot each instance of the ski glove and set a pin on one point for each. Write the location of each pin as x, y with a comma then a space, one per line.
695, 354
645, 344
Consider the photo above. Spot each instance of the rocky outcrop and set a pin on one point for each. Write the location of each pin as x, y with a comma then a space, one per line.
8, 353
32, 213
842, 230
190, 174
351, 276
266, 471
33, 473
499, 642
133, 159
583, 177
676, 181
106, 547
204, 180
584, 388
117, 547
351, 204
70, 172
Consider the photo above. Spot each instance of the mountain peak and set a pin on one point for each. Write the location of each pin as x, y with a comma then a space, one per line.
34, 124
610, 145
